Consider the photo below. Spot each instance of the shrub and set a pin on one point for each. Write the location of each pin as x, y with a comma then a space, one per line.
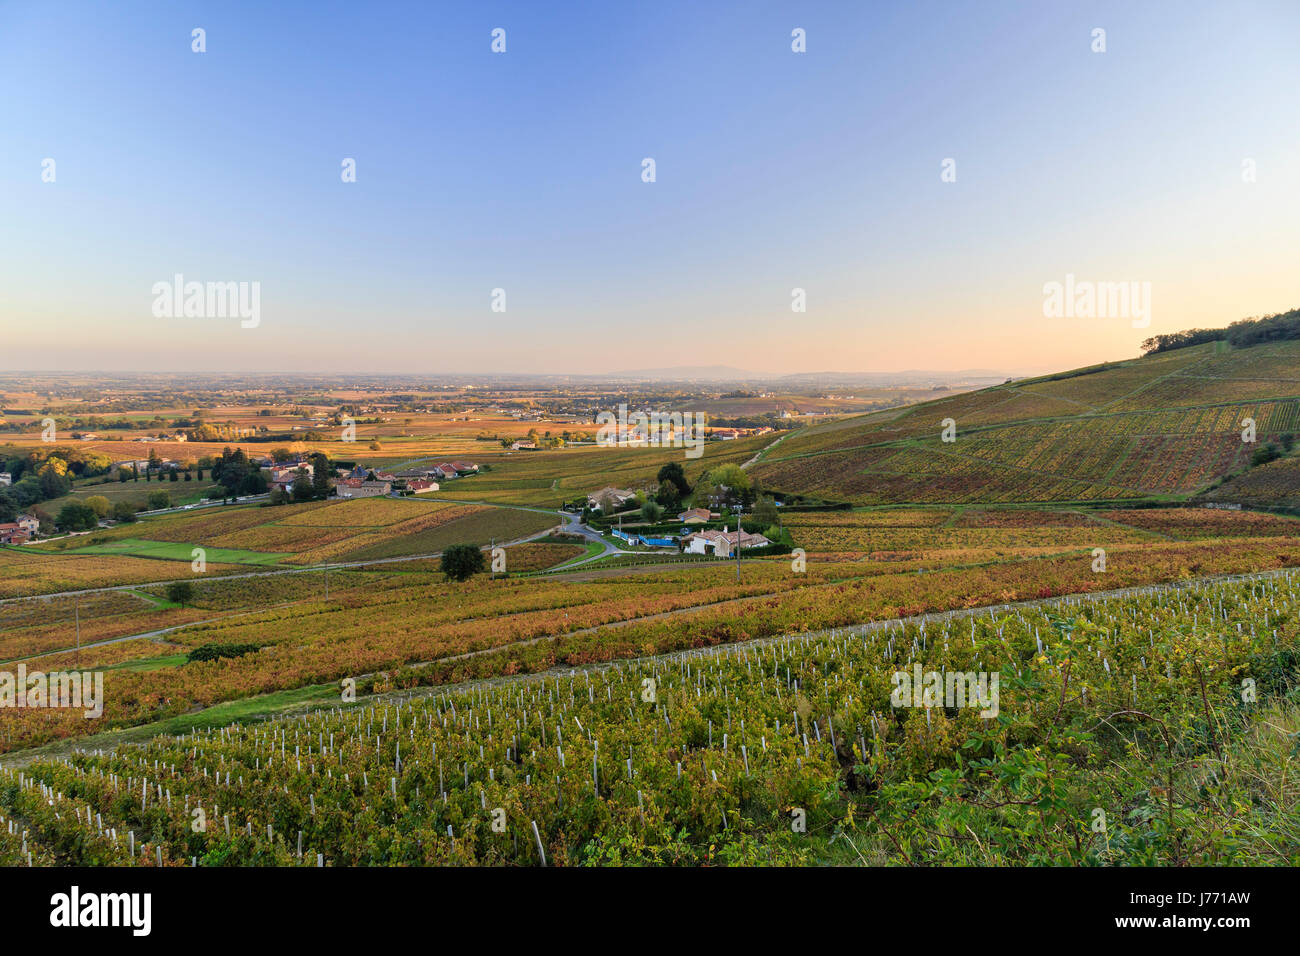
461, 562
212, 652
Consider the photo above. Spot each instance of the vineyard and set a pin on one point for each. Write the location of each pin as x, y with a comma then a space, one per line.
1011, 531
511, 700
548, 479
431, 631
1276, 484
1167, 425
291, 535
1110, 745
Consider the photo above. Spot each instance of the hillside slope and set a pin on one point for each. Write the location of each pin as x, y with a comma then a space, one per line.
1167, 425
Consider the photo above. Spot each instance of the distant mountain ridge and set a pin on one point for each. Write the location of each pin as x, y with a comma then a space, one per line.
726, 373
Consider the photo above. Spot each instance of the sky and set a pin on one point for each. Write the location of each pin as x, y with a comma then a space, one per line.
522, 171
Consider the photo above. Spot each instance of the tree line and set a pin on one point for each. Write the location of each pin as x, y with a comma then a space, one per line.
1282, 326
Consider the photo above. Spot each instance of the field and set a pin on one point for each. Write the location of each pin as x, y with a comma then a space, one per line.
405, 616
304, 534
551, 478
789, 752
968, 534
1169, 425
1059, 540
1276, 484
27, 571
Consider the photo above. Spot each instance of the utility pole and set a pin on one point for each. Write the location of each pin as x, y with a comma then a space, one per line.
739, 508
492, 565
77, 612
327, 584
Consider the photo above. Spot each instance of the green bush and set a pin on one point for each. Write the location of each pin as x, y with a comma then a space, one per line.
461, 562
212, 652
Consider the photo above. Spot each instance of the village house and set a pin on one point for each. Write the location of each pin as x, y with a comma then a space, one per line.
613, 498
721, 543
10, 533
421, 485
20, 531
695, 516
6, 478
140, 464
359, 488
724, 434
523, 446
283, 476
291, 467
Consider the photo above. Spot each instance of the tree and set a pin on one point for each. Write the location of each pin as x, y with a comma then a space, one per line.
673, 472
704, 492
75, 516
231, 469
732, 476
159, 500
302, 489
461, 562
766, 512
98, 504
180, 592
652, 511
53, 478
1265, 454
668, 495
124, 511
320, 476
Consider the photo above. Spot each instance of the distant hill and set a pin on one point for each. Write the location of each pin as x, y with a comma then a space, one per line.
1164, 426
689, 373
811, 380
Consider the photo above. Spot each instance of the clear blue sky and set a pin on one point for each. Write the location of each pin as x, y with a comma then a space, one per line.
522, 171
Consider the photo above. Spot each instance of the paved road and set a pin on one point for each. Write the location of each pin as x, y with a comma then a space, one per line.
764, 450
572, 524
